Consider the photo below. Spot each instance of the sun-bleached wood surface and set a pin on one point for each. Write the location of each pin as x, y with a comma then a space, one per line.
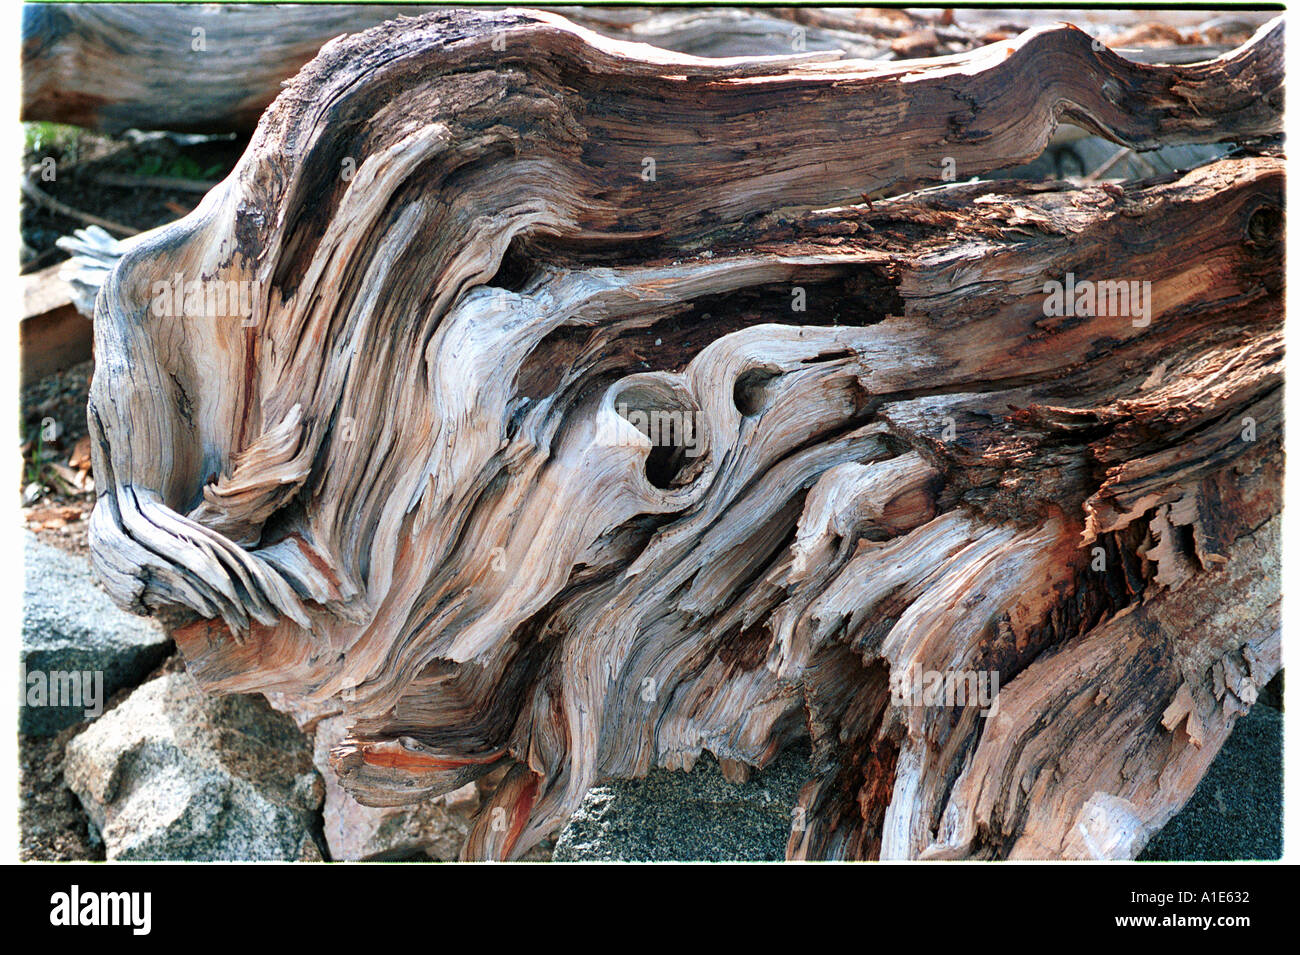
478, 249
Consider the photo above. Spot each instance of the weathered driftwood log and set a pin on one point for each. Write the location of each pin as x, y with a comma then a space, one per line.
577, 415
115, 66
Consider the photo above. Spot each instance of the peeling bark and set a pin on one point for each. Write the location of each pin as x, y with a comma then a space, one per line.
409, 481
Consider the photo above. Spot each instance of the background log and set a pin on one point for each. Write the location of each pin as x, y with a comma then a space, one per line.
118, 66
115, 66
583, 411
52, 334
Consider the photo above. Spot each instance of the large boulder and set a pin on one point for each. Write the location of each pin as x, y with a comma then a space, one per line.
695, 816
172, 774
78, 647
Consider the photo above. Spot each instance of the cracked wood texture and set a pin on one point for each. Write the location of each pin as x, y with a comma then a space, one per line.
414, 481
114, 66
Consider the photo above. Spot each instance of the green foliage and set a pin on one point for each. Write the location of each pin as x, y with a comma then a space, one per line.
178, 167
52, 138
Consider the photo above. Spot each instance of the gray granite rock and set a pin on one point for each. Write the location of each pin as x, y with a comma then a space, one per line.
695, 816
78, 647
172, 774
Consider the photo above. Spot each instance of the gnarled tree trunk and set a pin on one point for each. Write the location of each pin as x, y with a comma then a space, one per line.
585, 414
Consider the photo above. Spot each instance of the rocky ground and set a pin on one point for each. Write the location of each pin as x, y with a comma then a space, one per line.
165, 772
1236, 812
696, 816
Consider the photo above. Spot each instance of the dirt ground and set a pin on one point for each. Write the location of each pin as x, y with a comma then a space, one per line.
52, 825
56, 483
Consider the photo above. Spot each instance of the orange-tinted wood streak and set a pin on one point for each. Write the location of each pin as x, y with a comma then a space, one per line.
520, 816
392, 755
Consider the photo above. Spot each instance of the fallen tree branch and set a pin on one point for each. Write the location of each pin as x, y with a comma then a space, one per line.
153, 182
43, 198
